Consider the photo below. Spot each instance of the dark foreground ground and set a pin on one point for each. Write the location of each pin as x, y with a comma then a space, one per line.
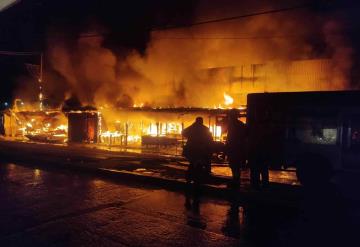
62, 208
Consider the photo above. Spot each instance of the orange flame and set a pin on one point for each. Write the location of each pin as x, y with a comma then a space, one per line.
228, 100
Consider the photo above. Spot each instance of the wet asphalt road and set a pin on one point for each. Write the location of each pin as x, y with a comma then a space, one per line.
59, 208
63, 208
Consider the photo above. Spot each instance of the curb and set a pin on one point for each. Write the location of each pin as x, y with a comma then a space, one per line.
278, 194
245, 195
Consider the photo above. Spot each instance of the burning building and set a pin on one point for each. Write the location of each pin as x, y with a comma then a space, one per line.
147, 125
133, 127
156, 126
148, 96
83, 126
43, 126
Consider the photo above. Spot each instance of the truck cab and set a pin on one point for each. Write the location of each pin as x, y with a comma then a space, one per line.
318, 133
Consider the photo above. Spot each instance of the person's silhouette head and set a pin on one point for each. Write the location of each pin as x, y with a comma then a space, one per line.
199, 120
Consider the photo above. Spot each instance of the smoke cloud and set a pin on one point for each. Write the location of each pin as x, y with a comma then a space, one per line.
194, 66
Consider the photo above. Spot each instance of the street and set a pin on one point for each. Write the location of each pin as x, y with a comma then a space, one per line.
179, 123
59, 208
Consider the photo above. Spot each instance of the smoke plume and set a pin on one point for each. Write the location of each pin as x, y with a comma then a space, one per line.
194, 66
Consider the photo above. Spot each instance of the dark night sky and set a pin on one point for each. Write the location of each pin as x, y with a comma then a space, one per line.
27, 25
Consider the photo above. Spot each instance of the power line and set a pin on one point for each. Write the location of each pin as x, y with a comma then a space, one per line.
15, 53
274, 11
92, 35
245, 38
231, 38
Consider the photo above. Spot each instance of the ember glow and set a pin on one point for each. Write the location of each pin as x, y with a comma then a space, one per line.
110, 126
37, 125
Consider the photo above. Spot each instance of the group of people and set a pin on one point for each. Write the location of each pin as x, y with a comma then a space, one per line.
239, 150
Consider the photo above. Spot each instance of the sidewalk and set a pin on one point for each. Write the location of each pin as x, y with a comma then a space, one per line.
165, 171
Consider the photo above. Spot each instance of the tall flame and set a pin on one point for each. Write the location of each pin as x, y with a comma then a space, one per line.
228, 99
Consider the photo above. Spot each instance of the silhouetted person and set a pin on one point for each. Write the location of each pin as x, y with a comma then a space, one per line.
192, 205
236, 146
259, 158
197, 149
198, 152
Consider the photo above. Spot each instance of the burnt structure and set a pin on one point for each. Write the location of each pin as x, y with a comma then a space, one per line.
83, 126
7, 123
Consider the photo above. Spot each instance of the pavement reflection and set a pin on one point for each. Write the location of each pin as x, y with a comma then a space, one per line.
56, 207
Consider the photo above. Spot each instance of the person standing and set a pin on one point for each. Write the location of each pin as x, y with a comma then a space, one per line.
235, 146
261, 147
197, 149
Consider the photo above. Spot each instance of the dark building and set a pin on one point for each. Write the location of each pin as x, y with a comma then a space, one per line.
83, 126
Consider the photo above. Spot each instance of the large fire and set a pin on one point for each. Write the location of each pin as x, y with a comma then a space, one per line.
151, 96
46, 126
139, 124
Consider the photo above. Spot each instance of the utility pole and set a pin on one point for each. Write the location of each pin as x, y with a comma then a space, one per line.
41, 106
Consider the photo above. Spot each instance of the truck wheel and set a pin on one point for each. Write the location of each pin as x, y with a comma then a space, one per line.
313, 170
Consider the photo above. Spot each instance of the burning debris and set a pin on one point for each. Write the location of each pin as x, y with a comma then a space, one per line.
44, 126
131, 126
151, 126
